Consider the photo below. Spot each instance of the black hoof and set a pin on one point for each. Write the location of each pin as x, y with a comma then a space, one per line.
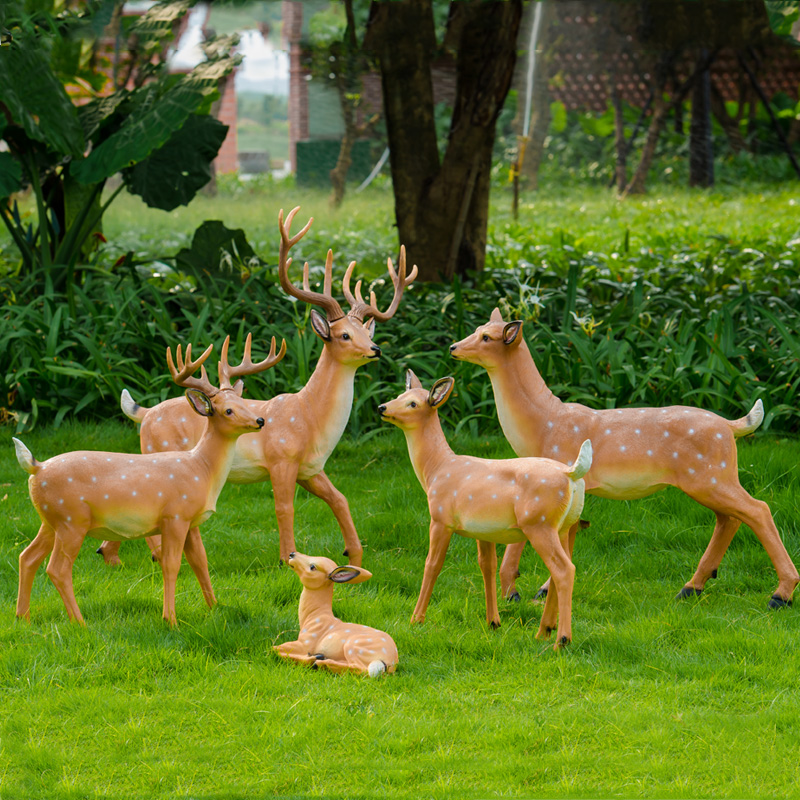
494, 625
563, 641
776, 601
714, 574
548, 631
514, 598
345, 554
688, 591
99, 550
540, 594
319, 656
153, 558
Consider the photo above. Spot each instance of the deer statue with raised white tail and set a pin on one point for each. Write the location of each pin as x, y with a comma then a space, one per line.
124, 496
302, 429
325, 641
534, 500
637, 451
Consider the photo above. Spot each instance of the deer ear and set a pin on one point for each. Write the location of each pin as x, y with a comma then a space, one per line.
200, 402
412, 381
238, 387
496, 316
441, 391
349, 574
369, 327
320, 325
511, 331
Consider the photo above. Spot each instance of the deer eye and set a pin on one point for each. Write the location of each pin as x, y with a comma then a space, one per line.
413, 404
312, 567
485, 337
229, 411
346, 336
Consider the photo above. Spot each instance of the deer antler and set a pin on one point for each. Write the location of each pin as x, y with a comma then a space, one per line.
183, 374
227, 373
322, 299
362, 310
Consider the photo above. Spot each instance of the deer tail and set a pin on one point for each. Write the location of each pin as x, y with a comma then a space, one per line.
749, 423
583, 462
130, 408
25, 458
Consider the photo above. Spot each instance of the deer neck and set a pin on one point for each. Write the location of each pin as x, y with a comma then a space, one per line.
428, 450
315, 604
329, 392
214, 452
524, 403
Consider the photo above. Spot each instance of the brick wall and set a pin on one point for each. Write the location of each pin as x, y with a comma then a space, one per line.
298, 87
228, 158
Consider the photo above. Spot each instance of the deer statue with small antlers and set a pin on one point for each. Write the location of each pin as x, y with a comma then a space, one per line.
534, 500
301, 429
128, 496
637, 451
325, 641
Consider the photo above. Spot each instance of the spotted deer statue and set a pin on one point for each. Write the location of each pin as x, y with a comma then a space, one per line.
123, 496
637, 451
534, 500
325, 642
302, 429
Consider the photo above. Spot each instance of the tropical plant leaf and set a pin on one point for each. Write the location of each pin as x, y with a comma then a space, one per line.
10, 175
38, 102
782, 15
211, 241
173, 174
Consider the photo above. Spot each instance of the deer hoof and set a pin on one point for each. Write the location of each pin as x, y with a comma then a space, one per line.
345, 554
494, 625
688, 591
564, 641
776, 601
714, 574
541, 594
514, 597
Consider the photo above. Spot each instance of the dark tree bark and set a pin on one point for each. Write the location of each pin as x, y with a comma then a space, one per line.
441, 209
701, 151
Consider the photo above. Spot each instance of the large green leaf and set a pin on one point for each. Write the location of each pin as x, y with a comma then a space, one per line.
38, 102
10, 175
159, 20
210, 244
151, 126
783, 14
173, 174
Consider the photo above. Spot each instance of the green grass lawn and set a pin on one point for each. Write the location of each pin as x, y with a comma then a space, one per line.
654, 698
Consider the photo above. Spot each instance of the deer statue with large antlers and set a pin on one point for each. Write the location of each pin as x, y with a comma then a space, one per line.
534, 500
301, 429
325, 641
126, 496
637, 451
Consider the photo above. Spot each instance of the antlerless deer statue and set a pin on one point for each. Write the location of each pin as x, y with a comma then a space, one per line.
126, 496
301, 430
533, 500
637, 451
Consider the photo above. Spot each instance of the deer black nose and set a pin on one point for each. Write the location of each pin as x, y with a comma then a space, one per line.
375, 349
381, 409
292, 555
260, 422
453, 347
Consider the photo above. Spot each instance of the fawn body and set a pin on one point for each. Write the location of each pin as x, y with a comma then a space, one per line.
534, 500
637, 451
301, 430
325, 641
124, 496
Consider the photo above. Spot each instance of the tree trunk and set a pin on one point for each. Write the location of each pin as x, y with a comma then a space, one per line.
701, 151
728, 123
441, 209
620, 143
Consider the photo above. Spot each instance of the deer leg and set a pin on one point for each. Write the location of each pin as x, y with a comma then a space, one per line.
110, 553
30, 559
734, 501
439, 542
296, 651
196, 556
67, 545
487, 561
724, 532
320, 486
284, 477
509, 571
154, 543
173, 538
546, 543
337, 667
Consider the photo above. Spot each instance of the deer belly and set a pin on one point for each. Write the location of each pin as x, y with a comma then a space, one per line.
489, 529
120, 533
622, 487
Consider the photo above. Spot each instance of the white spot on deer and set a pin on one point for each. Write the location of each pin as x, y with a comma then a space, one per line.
61, 501
149, 448
291, 419
700, 456
723, 465
434, 492
674, 455
649, 452
69, 519
186, 440
122, 477
555, 448
536, 499
183, 419
133, 493
544, 517
197, 477
270, 419
160, 494
455, 494
94, 479
608, 430
183, 496
282, 440
691, 471
560, 493
44, 483
576, 428
165, 443
666, 434
713, 480
69, 480
440, 509
622, 448
719, 436
159, 419
105, 496
691, 431
494, 497
171, 475
637, 431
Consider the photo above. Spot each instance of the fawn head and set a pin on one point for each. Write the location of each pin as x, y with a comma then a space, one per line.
347, 337
314, 573
491, 343
416, 405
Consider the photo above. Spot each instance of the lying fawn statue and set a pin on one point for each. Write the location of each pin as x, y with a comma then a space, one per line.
533, 500
123, 496
301, 429
325, 641
637, 451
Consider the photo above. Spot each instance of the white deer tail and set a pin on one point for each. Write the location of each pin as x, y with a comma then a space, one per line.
376, 669
130, 408
583, 462
745, 425
25, 458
